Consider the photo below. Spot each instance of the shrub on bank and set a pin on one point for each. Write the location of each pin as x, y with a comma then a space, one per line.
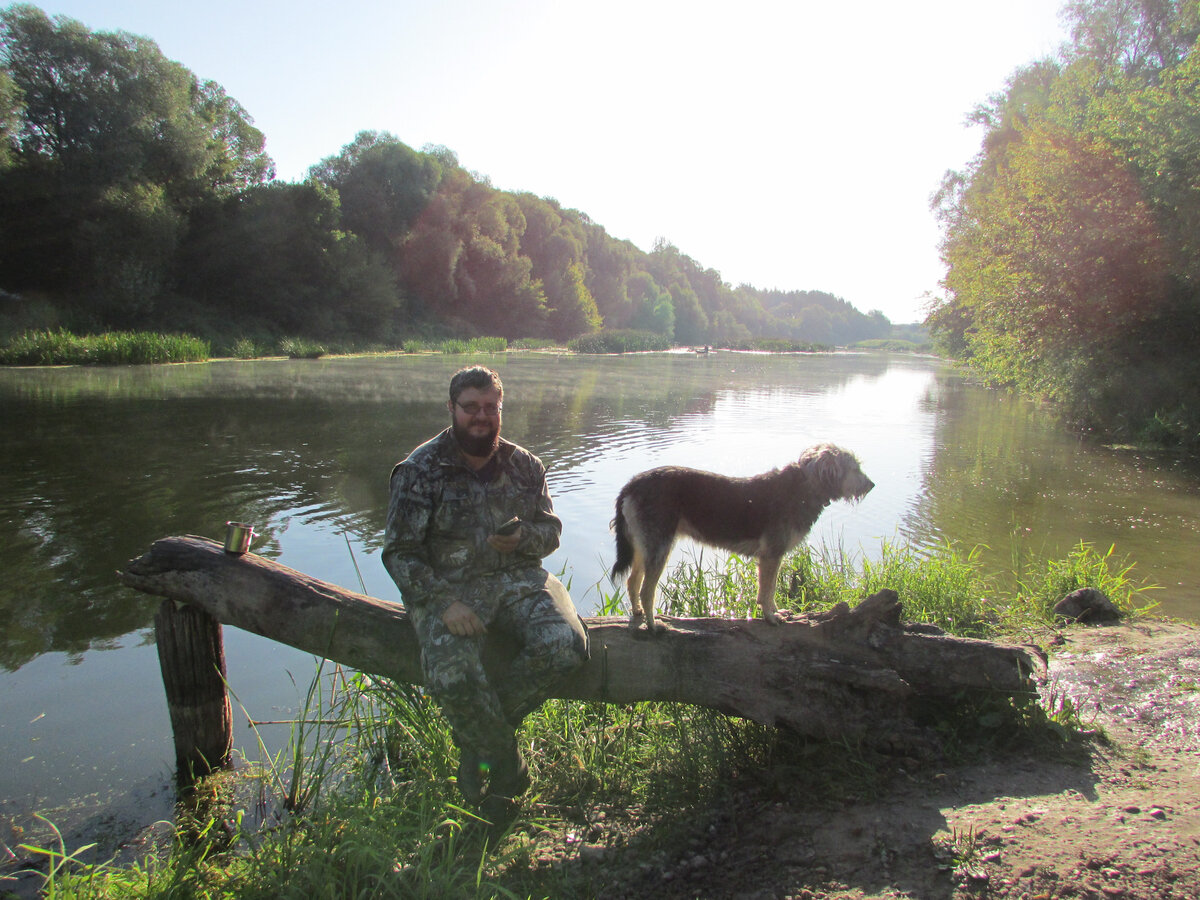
300, 348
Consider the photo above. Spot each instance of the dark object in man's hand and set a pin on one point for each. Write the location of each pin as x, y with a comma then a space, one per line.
510, 526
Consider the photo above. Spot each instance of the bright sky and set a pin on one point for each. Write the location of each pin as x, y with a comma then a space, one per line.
790, 145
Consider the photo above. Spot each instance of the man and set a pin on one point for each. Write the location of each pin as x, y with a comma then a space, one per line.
461, 580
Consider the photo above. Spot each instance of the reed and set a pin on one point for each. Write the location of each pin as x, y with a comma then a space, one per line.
619, 341
300, 348
456, 345
59, 348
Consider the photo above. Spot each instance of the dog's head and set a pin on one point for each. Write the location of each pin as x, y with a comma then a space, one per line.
837, 472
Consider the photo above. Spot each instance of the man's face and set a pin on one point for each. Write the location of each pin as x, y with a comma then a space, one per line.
476, 428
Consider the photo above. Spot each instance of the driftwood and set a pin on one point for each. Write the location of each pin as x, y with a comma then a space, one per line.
848, 673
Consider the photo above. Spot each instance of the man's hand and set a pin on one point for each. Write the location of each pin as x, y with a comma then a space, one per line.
505, 543
460, 620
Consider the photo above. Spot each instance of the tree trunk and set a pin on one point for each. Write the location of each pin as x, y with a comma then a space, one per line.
847, 673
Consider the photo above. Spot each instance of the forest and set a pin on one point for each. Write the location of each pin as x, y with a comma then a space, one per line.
1072, 239
135, 195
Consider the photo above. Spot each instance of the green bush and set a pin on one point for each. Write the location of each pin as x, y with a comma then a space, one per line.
300, 348
244, 348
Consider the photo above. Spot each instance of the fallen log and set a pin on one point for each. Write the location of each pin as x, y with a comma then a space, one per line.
846, 673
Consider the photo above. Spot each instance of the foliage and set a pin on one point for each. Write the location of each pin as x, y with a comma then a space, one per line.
775, 345
892, 346
532, 344
623, 341
108, 149
1071, 240
457, 345
1038, 589
300, 348
57, 348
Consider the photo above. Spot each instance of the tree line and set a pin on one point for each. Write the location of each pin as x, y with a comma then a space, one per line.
135, 195
1072, 239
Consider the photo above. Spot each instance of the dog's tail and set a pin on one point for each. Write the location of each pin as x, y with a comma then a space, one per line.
624, 545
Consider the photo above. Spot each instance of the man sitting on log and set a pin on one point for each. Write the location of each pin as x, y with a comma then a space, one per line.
465, 570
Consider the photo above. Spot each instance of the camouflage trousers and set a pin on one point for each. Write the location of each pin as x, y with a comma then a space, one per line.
534, 637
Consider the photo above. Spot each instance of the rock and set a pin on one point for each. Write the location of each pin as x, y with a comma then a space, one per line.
1087, 605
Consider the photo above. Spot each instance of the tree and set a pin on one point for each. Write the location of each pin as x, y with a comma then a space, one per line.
10, 118
384, 186
114, 145
272, 258
1137, 37
1070, 241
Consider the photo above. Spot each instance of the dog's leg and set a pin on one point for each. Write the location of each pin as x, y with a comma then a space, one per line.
633, 584
768, 576
654, 572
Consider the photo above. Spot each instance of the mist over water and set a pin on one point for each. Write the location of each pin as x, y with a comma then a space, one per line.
96, 464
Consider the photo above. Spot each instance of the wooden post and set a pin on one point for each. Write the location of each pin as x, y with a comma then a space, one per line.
191, 654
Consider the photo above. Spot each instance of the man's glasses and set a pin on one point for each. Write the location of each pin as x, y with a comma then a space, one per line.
491, 410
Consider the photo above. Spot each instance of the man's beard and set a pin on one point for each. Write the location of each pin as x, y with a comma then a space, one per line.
472, 445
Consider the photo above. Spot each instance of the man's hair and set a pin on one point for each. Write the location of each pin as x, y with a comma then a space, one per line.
474, 377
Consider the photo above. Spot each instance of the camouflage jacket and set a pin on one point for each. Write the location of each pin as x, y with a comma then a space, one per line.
441, 514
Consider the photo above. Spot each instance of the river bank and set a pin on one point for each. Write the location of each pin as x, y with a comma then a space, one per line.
1121, 821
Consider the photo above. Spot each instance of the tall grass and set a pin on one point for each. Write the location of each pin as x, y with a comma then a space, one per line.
457, 345
300, 348
362, 802
619, 341
56, 348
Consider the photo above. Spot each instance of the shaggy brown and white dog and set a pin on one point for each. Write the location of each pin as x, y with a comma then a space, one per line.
764, 516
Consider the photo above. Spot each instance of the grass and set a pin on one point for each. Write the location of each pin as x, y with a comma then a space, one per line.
618, 341
457, 345
300, 348
55, 348
362, 802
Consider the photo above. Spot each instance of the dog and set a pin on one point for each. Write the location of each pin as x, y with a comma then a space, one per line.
764, 516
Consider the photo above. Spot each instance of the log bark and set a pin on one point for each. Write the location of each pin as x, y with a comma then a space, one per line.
850, 673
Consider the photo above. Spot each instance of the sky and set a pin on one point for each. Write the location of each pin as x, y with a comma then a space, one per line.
791, 145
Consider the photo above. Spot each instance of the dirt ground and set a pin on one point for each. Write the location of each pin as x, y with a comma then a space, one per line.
1122, 821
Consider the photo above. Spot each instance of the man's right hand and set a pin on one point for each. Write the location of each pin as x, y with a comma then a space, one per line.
461, 620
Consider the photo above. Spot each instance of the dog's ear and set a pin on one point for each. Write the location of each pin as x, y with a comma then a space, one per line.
824, 464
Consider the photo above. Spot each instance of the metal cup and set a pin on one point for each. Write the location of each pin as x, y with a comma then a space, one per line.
237, 537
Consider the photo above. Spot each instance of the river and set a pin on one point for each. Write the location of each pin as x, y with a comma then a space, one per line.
97, 463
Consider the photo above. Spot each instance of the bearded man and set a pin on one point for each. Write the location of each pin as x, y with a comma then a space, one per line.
466, 570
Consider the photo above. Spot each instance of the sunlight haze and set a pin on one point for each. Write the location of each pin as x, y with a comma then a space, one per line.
786, 145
